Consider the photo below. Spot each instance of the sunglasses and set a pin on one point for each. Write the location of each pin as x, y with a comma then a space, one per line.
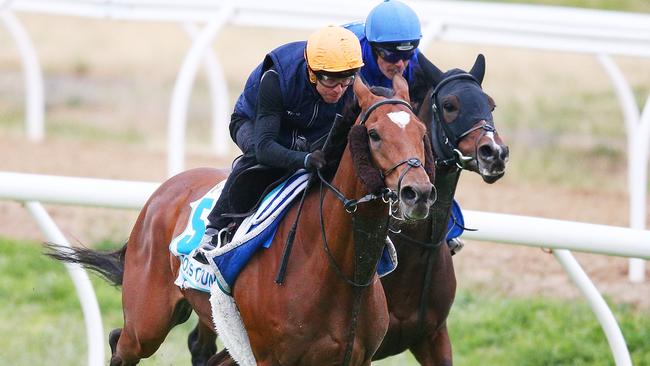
394, 56
332, 82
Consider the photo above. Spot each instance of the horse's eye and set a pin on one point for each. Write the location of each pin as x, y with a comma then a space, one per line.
494, 106
449, 107
374, 136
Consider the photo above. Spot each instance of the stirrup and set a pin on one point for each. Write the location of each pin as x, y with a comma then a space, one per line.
455, 245
212, 239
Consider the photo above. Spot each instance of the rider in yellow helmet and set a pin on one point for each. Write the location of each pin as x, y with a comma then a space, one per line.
292, 99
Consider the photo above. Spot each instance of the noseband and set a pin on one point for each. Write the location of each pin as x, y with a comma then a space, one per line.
387, 195
449, 140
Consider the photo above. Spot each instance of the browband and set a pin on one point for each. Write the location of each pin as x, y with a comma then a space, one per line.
366, 114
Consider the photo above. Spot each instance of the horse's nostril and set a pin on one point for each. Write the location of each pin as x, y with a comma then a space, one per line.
408, 194
486, 151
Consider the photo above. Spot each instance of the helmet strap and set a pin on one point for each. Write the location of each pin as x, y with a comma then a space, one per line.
312, 76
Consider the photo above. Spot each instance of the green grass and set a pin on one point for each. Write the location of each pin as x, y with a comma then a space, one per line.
488, 330
41, 314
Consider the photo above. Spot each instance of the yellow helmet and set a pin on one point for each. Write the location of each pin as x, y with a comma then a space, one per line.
333, 49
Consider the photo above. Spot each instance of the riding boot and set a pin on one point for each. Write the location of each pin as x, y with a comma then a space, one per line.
455, 245
218, 225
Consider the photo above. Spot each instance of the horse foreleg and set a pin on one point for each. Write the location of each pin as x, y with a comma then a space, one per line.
434, 350
202, 344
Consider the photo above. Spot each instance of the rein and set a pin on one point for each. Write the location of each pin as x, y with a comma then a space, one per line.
365, 231
387, 195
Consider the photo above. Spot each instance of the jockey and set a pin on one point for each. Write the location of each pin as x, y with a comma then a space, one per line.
389, 43
293, 97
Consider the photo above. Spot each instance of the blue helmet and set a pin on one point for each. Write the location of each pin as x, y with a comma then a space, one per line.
393, 22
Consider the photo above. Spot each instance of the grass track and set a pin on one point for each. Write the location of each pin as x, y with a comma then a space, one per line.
40, 312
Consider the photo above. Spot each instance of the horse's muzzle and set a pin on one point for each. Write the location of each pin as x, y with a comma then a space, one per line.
492, 159
415, 200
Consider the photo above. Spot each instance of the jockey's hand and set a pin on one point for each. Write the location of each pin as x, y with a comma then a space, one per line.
315, 160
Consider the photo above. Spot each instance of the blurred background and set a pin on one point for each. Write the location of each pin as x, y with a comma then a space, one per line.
108, 86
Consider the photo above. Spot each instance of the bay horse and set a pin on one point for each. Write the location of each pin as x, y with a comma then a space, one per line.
331, 308
421, 290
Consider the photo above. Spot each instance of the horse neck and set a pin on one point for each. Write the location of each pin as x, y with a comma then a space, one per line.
446, 182
339, 228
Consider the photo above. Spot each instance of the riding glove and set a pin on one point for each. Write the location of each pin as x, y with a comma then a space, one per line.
315, 160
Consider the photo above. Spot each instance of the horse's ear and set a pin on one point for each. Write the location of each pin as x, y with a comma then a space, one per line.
401, 88
361, 91
478, 70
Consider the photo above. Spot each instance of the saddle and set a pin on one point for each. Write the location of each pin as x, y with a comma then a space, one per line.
251, 186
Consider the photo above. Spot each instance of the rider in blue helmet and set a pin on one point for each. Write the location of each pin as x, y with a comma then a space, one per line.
389, 41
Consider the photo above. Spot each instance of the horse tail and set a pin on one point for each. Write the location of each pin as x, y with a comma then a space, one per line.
109, 265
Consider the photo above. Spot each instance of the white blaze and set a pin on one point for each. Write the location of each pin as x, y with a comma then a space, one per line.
400, 118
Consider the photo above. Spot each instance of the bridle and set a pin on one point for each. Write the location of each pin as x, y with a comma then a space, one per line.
364, 229
387, 195
447, 142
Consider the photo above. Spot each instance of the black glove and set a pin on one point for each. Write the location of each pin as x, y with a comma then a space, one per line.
315, 160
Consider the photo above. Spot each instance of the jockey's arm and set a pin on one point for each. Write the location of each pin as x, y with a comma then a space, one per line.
268, 124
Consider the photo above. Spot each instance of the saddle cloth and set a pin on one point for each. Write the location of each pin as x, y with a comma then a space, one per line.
456, 223
255, 232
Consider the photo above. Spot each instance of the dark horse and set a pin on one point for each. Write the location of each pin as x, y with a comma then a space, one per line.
331, 307
421, 290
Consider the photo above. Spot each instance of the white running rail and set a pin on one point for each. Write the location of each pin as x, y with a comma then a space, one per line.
508, 229
597, 32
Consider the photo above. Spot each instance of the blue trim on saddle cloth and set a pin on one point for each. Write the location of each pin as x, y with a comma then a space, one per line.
388, 260
456, 224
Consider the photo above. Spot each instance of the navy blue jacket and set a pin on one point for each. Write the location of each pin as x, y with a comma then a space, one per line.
306, 114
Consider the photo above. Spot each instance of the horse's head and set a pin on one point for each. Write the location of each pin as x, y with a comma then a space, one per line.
463, 129
395, 140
